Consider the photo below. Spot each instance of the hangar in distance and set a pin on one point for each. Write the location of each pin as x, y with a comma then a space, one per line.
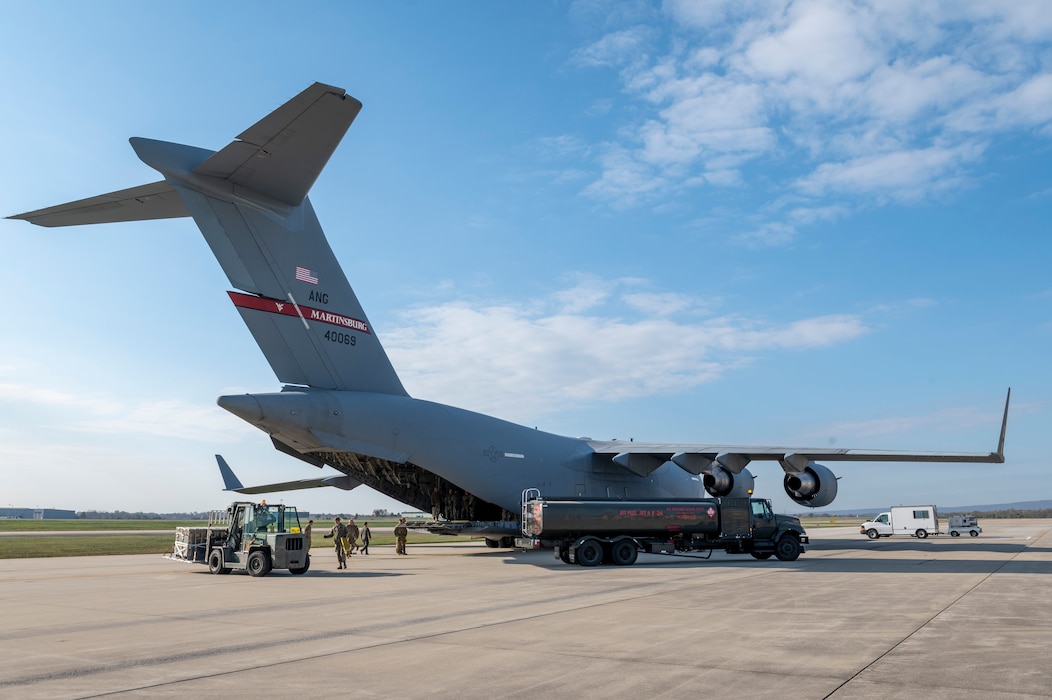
341, 402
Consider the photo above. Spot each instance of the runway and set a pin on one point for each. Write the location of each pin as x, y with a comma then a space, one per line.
852, 618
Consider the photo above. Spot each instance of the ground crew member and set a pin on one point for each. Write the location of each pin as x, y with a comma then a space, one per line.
367, 535
306, 532
400, 533
352, 536
339, 535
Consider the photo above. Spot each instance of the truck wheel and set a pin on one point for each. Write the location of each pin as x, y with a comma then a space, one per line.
258, 563
492, 544
922, 533
872, 534
954, 533
306, 566
215, 562
761, 555
788, 548
973, 533
564, 555
624, 553
589, 552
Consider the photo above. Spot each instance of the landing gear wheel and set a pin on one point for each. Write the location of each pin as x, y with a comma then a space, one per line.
306, 566
872, 534
787, 549
589, 552
761, 555
954, 533
624, 553
921, 534
215, 562
258, 563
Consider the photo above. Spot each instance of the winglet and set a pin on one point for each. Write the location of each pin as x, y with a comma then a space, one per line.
1004, 428
230, 481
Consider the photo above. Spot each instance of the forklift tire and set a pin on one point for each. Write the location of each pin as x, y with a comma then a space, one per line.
258, 563
215, 562
788, 548
306, 566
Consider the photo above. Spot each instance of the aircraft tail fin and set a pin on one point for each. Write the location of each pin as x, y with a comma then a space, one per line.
250, 202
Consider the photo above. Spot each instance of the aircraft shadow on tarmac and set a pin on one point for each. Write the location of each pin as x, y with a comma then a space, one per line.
851, 563
927, 545
321, 573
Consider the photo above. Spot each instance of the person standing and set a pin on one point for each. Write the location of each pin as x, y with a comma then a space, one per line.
400, 533
352, 537
339, 534
306, 532
367, 535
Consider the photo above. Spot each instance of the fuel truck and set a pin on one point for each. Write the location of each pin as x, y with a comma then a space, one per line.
590, 531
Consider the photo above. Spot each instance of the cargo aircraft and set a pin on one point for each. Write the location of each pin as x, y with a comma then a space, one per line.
343, 405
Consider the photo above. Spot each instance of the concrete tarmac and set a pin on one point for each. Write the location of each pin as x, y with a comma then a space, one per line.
896, 618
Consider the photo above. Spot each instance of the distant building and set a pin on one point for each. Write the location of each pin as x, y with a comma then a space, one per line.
37, 514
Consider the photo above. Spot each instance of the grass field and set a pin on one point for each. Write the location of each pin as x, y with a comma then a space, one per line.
82, 525
96, 545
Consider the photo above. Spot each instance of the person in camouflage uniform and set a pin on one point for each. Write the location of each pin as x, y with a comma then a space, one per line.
339, 534
400, 533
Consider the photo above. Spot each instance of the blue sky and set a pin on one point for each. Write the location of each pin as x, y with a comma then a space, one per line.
802, 223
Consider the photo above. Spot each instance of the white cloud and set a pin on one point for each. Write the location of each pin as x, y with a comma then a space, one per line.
613, 49
849, 103
102, 413
520, 362
907, 175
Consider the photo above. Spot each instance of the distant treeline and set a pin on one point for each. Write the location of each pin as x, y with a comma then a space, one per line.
123, 515
1008, 514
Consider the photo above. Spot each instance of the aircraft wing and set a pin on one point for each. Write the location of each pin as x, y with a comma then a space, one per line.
642, 458
232, 483
157, 200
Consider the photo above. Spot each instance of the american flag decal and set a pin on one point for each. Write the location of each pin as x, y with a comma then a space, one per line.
303, 274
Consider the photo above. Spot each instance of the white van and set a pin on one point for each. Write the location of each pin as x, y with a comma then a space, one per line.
915, 521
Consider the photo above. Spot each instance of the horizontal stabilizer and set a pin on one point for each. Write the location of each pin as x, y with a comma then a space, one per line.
232, 483
158, 200
281, 155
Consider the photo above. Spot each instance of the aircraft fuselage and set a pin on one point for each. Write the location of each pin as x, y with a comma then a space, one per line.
491, 458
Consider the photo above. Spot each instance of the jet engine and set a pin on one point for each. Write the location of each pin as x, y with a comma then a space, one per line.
720, 482
814, 486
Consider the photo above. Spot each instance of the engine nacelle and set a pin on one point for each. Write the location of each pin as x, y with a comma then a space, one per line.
720, 482
813, 487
